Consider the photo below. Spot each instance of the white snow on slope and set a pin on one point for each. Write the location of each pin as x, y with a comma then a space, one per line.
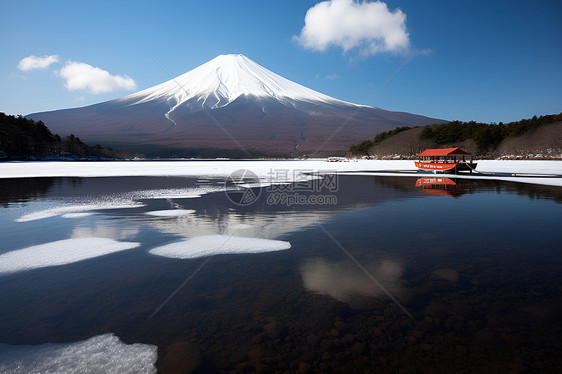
100, 354
60, 252
210, 245
225, 78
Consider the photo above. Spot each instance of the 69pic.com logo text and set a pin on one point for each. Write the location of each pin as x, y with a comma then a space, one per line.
291, 199
286, 187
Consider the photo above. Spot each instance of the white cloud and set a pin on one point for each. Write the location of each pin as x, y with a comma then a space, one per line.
34, 62
369, 26
332, 77
83, 77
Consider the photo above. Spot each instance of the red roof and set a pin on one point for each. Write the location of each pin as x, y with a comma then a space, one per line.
443, 152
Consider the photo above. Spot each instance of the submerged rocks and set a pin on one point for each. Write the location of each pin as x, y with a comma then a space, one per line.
185, 358
275, 330
447, 274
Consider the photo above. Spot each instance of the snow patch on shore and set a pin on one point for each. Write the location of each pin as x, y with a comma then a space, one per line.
268, 171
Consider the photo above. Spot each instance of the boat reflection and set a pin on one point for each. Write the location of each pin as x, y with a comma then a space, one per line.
442, 186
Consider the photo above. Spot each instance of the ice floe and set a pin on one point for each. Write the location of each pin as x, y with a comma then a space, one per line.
210, 245
66, 209
60, 252
176, 193
171, 212
77, 215
100, 354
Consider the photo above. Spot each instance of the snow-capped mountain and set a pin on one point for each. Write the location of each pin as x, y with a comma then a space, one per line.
225, 78
228, 102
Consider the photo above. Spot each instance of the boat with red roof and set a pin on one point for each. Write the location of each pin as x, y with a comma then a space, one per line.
445, 160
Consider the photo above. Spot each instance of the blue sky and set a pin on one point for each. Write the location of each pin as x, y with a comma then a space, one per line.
487, 61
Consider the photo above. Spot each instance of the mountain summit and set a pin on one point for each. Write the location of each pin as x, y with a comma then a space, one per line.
228, 103
225, 78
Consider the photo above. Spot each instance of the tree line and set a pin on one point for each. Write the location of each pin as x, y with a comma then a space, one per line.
363, 147
487, 136
24, 139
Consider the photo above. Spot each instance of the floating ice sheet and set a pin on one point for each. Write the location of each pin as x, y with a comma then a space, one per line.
175, 193
171, 212
77, 215
60, 253
99, 354
59, 210
209, 245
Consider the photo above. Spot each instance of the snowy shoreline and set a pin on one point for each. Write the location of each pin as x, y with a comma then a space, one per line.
268, 169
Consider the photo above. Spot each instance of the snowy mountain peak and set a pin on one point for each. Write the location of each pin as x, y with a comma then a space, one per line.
222, 80
258, 108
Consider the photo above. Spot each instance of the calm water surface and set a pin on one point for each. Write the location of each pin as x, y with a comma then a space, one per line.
477, 264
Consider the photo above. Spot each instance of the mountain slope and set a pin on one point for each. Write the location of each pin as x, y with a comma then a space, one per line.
229, 102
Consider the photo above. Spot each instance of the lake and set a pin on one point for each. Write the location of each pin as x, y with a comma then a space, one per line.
350, 273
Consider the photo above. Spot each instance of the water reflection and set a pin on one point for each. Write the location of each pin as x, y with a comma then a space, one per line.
104, 229
266, 218
19, 190
442, 186
482, 297
344, 281
260, 225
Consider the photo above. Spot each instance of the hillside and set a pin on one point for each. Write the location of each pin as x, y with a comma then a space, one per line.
534, 138
25, 139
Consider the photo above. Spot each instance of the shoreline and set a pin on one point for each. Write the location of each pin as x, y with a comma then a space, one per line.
534, 171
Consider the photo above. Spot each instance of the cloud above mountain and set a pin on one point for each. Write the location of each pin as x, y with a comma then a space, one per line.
369, 27
80, 76
34, 62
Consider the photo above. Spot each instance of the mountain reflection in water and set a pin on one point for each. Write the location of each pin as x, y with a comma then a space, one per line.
480, 273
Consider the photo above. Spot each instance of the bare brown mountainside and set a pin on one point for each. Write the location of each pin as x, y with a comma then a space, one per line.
544, 142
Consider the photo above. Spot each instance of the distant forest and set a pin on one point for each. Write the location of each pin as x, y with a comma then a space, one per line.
24, 139
363, 147
486, 136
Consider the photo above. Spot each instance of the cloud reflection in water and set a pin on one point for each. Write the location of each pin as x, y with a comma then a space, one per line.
343, 281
